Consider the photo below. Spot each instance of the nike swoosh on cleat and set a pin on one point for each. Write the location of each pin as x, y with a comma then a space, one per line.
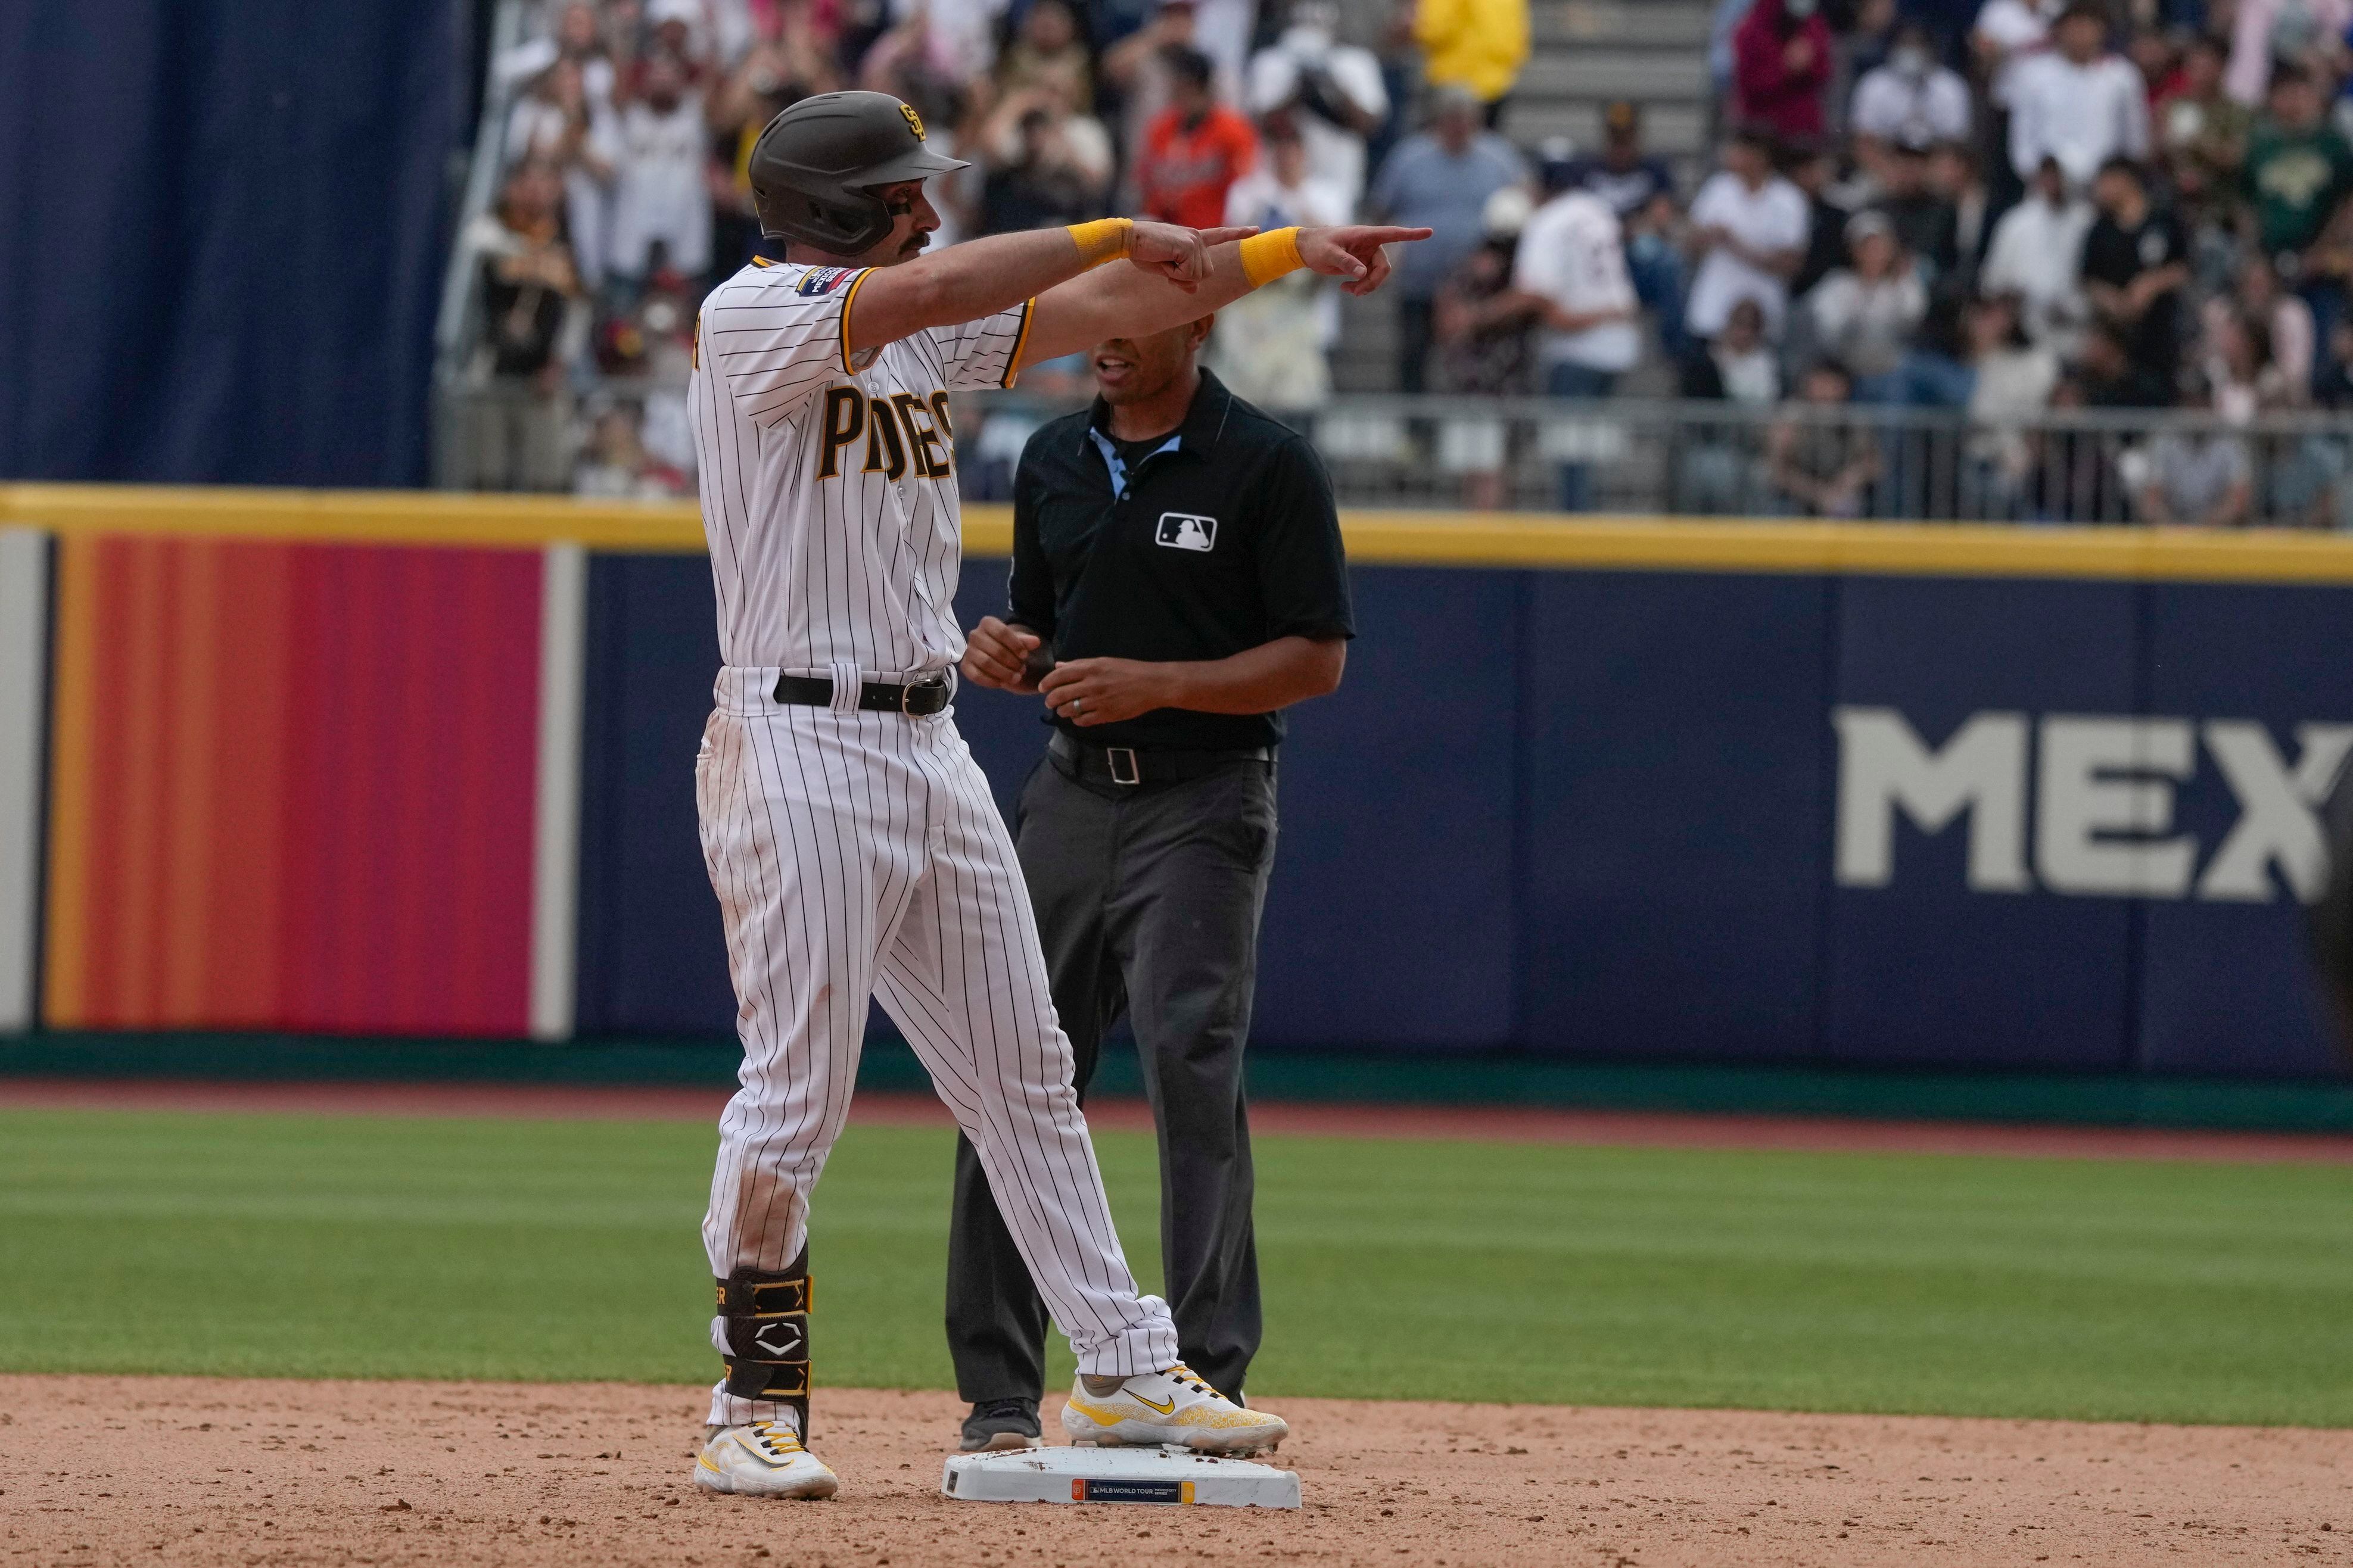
1167, 1409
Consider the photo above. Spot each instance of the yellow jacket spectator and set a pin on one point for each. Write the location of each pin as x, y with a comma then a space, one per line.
1475, 43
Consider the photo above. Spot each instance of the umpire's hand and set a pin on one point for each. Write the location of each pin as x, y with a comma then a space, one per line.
1004, 657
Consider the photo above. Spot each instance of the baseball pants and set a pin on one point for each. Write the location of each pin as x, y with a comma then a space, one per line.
856, 855
1149, 901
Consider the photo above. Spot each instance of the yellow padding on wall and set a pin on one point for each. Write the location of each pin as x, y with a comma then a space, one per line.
1394, 538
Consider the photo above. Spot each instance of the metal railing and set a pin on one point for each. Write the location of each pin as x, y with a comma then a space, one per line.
1662, 456
1798, 459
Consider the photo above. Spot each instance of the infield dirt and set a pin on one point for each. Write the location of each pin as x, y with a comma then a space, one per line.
201, 1472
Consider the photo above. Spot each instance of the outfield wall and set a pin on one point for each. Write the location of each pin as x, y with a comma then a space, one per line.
1627, 789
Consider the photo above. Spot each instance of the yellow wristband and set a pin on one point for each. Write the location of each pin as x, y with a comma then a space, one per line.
1267, 256
1105, 239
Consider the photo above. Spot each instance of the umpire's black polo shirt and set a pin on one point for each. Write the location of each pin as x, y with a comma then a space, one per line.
1219, 539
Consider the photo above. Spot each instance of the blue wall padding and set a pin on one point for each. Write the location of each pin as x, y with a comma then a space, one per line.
2223, 985
1925, 971
1592, 815
1674, 777
652, 961
226, 225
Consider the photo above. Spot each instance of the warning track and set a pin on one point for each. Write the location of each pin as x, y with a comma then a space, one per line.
1508, 1123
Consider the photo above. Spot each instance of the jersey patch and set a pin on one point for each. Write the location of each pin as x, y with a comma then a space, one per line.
824, 280
1187, 530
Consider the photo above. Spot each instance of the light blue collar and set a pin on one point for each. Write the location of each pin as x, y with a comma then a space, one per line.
1118, 465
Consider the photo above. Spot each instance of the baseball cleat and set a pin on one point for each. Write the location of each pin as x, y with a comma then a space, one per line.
1001, 1424
1174, 1407
763, 1460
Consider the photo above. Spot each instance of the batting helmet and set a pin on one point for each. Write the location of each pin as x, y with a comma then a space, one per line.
815, 168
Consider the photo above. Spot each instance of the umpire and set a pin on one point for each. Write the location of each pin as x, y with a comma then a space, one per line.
1177, 581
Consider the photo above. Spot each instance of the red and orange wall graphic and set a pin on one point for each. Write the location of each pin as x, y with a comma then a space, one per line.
292, 786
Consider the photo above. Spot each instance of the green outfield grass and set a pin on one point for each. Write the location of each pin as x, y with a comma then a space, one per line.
285, 1246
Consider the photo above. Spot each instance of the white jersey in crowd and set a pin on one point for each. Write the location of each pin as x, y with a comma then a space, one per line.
1573, 252
828, 481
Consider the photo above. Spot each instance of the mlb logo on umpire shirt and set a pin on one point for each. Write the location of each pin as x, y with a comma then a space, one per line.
1184, 531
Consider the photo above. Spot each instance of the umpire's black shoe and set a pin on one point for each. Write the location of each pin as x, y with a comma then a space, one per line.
1001, 1424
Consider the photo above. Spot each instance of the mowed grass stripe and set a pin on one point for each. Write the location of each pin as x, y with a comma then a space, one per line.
282, 1246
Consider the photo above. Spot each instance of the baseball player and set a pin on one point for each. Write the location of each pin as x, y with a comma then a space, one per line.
849, 836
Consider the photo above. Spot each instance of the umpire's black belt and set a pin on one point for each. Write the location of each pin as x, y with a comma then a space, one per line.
918, 698
1090, 763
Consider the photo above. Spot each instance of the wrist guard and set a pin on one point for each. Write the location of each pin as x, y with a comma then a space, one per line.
1267, 256
1105, 239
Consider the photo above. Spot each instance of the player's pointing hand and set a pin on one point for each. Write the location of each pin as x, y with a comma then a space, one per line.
1179, 254
1353, 254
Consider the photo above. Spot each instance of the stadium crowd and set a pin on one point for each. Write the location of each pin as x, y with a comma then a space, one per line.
2001, 206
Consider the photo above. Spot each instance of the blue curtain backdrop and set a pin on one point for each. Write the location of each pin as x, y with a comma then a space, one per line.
221, 232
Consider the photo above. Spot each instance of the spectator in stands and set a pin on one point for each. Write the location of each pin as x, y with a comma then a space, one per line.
1716, 470
2136, 261
1048, 51
1748, 228
1439, 178
2332, 385
1196, 149
1270, 346
1911, 100
2005, 34
2201, 133
615, 465
1624, 173
2010, 382
528, 286
1926, 222
2299, 169
2284, 318
1332, 93
559, 124
1864, 314
1823, 466
2112, 377
1481, 328
1781, 69
2076, 102
1641, 189
580, 38
1047, 165
1484, 323
1739, 366
2268, 33
1814, 171
1572, 261
661, 207
1477, 45
2197, 476
2037, 254
1953, 177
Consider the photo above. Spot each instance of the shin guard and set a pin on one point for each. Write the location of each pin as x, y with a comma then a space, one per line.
764, 1321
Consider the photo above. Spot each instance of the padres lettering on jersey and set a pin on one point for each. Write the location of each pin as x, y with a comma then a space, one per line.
828, 480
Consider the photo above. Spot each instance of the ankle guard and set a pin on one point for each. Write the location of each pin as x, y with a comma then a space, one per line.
764, 1321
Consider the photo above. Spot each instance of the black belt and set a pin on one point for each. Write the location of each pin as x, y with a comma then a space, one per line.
918, 698
1126, 765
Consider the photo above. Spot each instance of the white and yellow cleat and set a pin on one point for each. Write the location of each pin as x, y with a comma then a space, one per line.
1174, 1407
763, 1460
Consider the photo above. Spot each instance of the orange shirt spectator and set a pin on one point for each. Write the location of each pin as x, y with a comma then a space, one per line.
1193, 150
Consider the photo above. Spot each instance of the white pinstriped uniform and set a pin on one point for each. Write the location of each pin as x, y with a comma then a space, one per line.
859, 854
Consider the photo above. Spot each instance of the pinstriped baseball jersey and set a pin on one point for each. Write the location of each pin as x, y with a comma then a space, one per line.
828, 480
858, 853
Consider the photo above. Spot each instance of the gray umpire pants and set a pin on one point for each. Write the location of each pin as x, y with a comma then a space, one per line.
1147, 900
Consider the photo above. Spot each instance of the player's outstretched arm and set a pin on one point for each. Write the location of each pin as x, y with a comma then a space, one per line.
1123, 302
982, 277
